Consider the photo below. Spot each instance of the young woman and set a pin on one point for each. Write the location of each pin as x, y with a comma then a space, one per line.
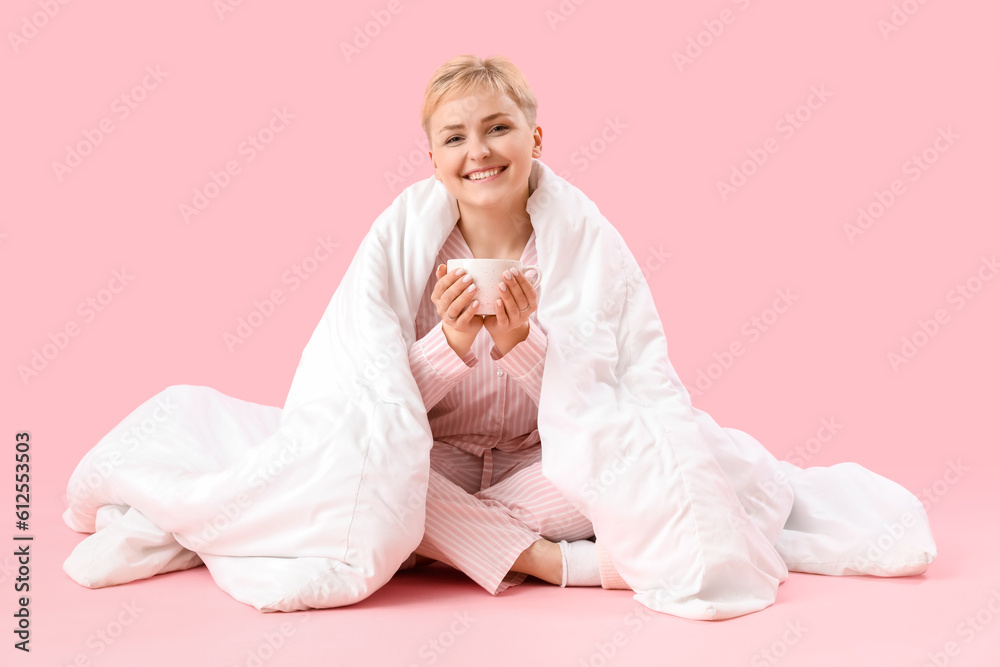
490, 511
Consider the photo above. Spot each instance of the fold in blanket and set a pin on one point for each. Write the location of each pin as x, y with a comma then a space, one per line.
316, 504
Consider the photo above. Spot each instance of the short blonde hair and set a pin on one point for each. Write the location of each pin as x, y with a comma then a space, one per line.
466, 74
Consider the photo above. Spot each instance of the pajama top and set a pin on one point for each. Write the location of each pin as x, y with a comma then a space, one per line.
483, 400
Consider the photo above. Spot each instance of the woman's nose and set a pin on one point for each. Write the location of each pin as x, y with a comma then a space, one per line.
480, 148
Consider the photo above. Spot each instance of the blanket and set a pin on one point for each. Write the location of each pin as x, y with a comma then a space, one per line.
316, 504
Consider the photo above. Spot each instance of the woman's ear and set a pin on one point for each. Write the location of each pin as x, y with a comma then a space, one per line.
434, 165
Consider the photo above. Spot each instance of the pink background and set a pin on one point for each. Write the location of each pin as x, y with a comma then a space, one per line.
670, 134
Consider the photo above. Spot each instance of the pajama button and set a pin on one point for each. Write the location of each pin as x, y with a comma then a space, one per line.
499, 373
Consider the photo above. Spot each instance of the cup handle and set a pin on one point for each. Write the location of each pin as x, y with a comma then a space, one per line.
538, 274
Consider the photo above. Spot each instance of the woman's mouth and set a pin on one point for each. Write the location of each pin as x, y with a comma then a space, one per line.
483, 176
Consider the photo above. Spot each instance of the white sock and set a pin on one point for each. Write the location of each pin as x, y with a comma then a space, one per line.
580, 563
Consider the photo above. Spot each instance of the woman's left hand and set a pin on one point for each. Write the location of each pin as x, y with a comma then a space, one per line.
518, 299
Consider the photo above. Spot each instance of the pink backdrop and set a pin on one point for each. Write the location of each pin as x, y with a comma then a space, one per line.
812, 186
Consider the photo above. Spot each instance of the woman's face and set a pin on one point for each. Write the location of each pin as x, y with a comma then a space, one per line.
479, 132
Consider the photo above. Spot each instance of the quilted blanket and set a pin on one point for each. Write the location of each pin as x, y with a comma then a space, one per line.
317, 503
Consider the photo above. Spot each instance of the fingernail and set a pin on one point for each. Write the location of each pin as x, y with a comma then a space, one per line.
503, 288
471, 288
506, 274
466, 279
460, 272
514, 271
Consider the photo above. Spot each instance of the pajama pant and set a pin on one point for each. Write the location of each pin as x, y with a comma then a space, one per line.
482, 512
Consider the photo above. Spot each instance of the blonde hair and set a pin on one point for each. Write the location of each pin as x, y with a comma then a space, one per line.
469, 73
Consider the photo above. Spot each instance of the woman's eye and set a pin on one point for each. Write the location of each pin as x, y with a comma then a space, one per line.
502, 127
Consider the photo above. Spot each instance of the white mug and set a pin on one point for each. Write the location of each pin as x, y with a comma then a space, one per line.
487, 274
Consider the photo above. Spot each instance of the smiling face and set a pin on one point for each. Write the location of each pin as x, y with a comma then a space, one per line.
481, 149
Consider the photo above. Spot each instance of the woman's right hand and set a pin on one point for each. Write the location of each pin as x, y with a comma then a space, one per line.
454, 297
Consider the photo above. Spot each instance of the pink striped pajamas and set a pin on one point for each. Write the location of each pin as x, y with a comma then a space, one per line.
487, 499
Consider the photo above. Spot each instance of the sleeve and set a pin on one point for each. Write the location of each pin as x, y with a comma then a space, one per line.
525, 361
436, 367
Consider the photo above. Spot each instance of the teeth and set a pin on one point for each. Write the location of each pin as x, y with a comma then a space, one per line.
484, 174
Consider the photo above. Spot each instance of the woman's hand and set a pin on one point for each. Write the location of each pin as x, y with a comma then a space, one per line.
453, 296
518, 299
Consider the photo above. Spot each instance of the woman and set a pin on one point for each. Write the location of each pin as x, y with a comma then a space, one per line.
490, 511
703, 520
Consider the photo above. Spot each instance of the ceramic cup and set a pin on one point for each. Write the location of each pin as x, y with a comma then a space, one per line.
487, 274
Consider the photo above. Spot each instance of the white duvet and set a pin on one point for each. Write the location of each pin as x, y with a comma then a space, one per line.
316, 504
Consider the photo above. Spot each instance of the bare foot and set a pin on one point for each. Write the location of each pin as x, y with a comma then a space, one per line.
543, 560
